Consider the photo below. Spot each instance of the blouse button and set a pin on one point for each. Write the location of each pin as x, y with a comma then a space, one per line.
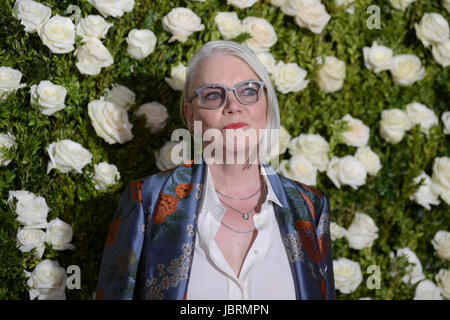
256, 251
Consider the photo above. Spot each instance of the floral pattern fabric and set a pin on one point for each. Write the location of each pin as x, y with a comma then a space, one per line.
150, 244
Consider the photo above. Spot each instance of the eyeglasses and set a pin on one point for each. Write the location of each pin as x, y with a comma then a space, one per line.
214, 96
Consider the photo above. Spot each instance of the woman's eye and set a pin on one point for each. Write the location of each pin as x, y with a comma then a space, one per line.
249, 92
213, 96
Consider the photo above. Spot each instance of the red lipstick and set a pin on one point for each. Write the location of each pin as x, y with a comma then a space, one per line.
235, 125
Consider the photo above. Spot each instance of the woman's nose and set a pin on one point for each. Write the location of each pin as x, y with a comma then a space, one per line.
233, 104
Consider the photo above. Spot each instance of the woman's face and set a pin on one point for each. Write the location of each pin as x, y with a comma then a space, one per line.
228, 71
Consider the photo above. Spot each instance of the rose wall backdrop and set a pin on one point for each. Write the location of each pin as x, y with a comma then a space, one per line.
89, 97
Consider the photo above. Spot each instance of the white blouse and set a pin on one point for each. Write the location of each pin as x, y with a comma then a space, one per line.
265, 273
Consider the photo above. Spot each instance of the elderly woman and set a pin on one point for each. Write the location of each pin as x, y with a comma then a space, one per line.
221, 228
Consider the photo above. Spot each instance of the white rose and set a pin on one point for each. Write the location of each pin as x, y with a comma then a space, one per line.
229, 24
67, 156
313, 146
92, 57
333, 171
263, 35
6, 140
121, 96
401, 4
9, 81
407, 69
358, 134
31, 209
58, 34
420, 114
347, 275
93, 26
299, 168
378, 58
441, 177
114, 8
310, 14
290, 7
277, 3
331, 75
164, 158
267, 60
441, 53
414, 271
362, 232
337, 231
242, 4
47, 281
445, 117
28, 239
347, 3
443, 281
177, 77
283, 142
446, 4
110, 121
393, 124
284, 169
289, 77
346, 171
105, 175
432, 29
155, 115
59, 234
141, 43
48, 96
441, 244
181, 23
32, 14
425, 195
443, 193
369, 159
427, 290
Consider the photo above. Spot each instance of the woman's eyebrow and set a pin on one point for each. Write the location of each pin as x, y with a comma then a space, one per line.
209, 84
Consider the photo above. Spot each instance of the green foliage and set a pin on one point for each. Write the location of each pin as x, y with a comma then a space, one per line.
73, 198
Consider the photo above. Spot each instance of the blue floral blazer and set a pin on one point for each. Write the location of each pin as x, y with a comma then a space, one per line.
150, 244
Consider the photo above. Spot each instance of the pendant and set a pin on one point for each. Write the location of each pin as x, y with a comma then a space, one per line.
245, 216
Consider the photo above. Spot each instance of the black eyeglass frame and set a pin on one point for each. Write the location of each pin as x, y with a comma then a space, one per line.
199, 90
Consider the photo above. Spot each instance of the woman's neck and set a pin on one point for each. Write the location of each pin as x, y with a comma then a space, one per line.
237, 180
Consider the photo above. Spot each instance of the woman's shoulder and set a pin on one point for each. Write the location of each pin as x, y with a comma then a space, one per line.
315, 199
312, 193
159, 176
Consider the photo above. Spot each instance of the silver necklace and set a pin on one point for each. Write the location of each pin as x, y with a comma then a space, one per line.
237, 231
235, 198
245, 215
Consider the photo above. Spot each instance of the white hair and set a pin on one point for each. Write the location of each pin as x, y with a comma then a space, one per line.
241, 51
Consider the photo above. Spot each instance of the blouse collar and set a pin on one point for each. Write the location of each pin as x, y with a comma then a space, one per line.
210, 200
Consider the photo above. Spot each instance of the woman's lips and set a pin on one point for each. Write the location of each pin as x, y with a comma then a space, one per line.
235, 125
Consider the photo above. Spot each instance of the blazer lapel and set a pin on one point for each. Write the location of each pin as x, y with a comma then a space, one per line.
170, 239
298, 234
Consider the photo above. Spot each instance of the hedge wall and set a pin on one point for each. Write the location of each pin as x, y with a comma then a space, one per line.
365, 94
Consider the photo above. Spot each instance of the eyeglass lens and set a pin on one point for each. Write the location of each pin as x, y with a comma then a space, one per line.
248, 93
